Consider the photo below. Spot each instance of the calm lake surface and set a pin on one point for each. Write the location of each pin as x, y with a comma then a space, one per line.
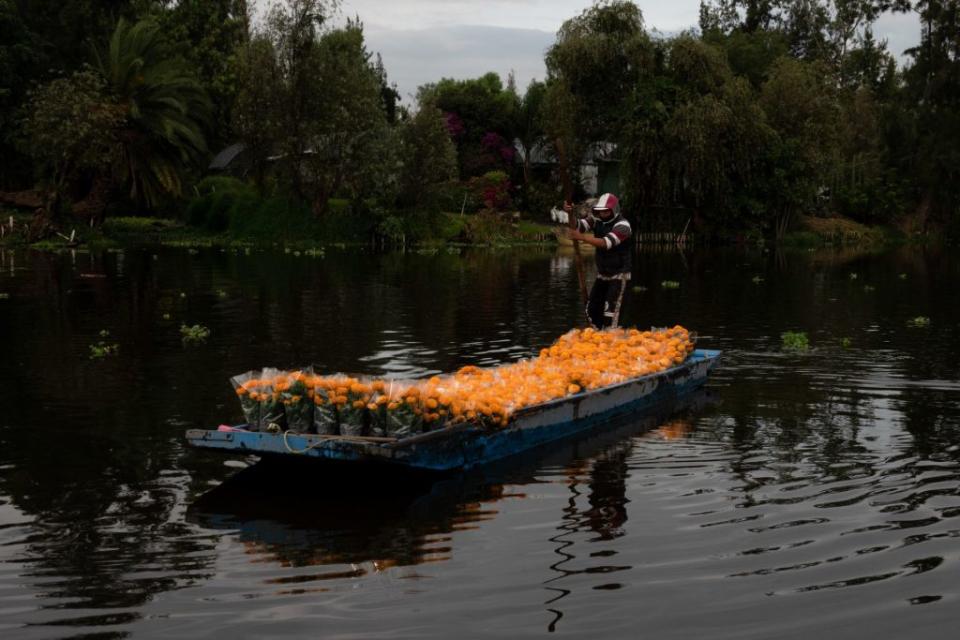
802, 494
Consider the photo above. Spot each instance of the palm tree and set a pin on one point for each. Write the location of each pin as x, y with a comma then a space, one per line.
166, 107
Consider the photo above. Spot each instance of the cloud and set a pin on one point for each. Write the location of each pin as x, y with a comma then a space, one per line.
417, 56
900, 30
544, 15
423, 41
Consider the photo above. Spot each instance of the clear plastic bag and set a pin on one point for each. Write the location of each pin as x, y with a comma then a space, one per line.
325, 418
271, 405
246, 385
353, 413
297, 398
404, 416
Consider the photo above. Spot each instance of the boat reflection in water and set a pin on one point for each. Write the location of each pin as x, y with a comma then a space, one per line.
356, 525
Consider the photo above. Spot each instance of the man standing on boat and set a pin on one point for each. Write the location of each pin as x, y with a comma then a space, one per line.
611, 233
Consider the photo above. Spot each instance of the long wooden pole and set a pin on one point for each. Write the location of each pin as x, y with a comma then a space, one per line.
568, 196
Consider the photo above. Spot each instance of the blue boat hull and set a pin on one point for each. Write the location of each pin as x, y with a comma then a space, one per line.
467, 446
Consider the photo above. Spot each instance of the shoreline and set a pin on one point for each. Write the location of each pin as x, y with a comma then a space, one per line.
126, 231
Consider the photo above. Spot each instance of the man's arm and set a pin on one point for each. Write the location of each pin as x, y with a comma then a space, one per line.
620, 233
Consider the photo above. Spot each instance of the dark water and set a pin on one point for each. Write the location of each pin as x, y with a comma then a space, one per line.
804, 494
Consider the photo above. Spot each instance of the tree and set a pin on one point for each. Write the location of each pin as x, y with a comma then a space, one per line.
346, 133
800, 106
480, 115
715, 137
18, 50
932, 153
135, 120
811, 29
165, 111
257, 105
427, 154
697, 139
598, 60
209, 36
71, 131
529, 123
313, 98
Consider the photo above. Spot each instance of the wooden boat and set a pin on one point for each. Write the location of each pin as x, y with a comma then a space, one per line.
465, 446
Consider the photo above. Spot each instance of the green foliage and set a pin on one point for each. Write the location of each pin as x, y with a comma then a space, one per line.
670, 284
257, 104
20, 59
773, 111
71, 128
312, 98
103, 349
492, 189
271, 219
541, 198
194, 334
794, 341
166, 110
218, 199
920, 322
208, 35
931, 138
529, 126
480, 116
599, 58
798, 103
452, 196
427, 154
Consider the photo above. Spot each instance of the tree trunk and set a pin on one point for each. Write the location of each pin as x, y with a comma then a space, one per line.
42, 225
783, 224
94, 204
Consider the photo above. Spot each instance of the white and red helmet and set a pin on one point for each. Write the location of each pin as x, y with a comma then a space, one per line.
607, 201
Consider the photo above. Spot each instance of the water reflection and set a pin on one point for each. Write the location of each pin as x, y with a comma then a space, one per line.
281, 515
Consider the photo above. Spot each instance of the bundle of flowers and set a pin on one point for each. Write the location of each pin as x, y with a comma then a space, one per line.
579, 360
296, 395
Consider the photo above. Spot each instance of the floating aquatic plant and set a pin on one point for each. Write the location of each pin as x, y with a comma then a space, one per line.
670, 284
102, 349
794, 341
920, 322
194, 334
845, 343
757, 279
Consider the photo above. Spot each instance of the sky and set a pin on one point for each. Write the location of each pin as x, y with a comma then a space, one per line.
425, 40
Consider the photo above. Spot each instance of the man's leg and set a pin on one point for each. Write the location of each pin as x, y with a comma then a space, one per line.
597, 302
612, 302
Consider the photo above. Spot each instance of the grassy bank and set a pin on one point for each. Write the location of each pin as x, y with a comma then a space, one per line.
227, 218
437, 230
815, 232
